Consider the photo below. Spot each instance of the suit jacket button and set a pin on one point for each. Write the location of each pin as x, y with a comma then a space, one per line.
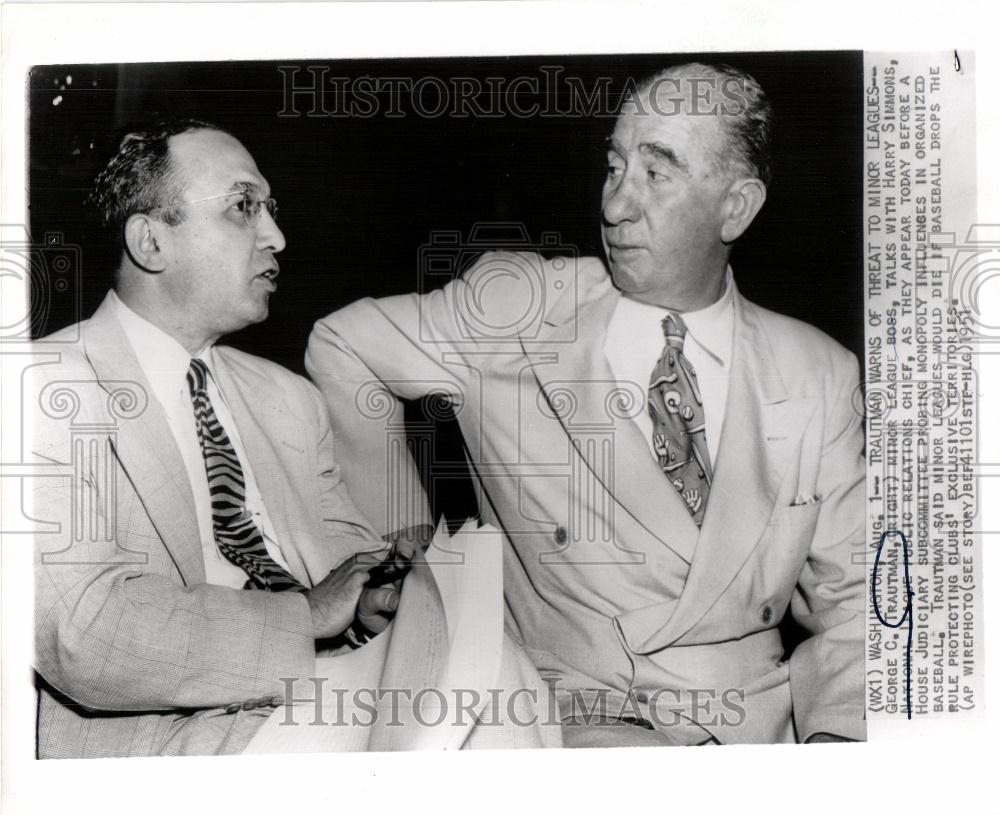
235, 707
560, 534
766, 614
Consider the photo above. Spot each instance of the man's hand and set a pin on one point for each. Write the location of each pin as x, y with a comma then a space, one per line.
407, 541
341, 595
336, 599
377, 607
379, 602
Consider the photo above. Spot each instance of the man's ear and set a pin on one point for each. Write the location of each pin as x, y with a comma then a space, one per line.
143, 242
742, 203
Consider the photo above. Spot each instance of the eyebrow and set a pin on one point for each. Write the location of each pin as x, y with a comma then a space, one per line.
250, 186
244, 187
657, 149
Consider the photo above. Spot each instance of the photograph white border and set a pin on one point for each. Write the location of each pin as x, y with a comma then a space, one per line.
934, 762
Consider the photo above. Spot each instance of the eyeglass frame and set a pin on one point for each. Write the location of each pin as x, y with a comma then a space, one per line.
270, 204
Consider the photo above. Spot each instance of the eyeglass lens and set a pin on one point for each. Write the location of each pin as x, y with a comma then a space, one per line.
252, 208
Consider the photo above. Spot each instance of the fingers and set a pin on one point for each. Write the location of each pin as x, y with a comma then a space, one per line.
348, 573
376, 624
407, 541
376, 607
383, 600
405, 548
332, 602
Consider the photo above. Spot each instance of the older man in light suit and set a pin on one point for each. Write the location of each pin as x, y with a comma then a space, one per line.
674, 466
182, 473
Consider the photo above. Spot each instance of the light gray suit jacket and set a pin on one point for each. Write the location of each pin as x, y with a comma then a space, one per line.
608, 583
138, 655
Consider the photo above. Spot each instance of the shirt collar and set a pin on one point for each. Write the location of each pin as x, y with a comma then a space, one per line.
163, 360
710, 327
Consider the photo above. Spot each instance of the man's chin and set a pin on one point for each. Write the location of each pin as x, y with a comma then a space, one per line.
625, 276
255, 313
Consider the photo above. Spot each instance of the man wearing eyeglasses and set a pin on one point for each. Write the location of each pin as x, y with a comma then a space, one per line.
204, 542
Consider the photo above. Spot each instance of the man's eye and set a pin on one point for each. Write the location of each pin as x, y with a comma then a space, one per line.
247, 205
614, 170
656, 176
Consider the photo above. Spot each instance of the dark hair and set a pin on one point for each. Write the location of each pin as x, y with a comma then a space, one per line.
745, 114
140, 178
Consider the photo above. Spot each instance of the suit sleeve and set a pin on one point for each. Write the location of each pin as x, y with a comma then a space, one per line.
112, 634
346, 529
367, 358
827, 669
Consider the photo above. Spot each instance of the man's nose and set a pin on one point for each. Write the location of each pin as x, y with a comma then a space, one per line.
620, 202
269, 236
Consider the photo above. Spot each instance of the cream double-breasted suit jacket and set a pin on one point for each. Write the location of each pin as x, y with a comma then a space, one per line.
609, 585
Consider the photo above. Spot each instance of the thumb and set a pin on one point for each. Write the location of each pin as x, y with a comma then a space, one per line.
381, 600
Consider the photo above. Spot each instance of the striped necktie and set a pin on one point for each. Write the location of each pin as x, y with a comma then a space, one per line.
236, 534
679, 421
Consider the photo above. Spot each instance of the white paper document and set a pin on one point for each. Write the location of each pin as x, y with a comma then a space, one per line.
421, 683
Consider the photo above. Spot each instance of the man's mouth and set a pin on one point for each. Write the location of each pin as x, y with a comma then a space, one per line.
270, 274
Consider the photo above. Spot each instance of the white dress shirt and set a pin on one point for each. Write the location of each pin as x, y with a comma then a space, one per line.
635, 341
165, 362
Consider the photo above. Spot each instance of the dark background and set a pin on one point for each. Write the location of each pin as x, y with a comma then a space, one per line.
359, 197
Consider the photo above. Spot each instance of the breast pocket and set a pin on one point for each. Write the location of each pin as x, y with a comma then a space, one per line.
785, 549
803, 512
796, 524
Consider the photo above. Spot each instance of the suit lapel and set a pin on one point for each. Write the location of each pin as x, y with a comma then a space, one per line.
145, 446
761, 432
578, 385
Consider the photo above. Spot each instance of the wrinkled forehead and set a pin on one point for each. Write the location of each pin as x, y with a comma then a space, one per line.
208, 162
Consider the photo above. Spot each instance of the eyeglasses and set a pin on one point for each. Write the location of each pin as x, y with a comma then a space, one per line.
249, 206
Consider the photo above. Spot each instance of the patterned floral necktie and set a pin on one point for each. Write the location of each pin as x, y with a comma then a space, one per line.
679, 421
236, 534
